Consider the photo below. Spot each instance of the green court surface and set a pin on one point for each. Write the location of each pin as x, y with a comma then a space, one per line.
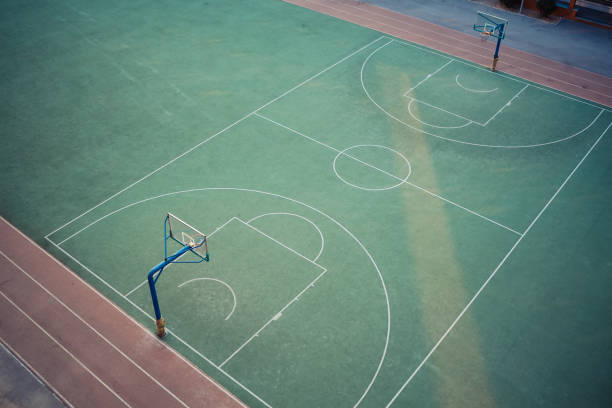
388, 225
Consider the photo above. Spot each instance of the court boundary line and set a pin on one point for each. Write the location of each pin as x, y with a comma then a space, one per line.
100, 335
39, 377
486, 282
389, 174
62, 347
216, 134
46, 237
198, 353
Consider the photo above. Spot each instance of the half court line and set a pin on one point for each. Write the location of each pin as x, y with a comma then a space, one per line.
391, 175
518, 241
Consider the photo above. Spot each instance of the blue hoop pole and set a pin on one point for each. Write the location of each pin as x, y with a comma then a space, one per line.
499, 38
497, 47
152, 280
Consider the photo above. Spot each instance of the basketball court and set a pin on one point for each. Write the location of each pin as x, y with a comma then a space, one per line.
389, 230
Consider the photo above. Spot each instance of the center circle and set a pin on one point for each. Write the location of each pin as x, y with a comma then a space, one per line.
373, 168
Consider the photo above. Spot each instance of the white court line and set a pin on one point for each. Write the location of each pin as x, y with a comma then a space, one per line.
213, 136
391, 175
428, 75
301, 217
75, 314
518, 241
60, 345
66, 253
58, 395
274, 318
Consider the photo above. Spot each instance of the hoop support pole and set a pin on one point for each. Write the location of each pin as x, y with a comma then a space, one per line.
496, 55
159, 320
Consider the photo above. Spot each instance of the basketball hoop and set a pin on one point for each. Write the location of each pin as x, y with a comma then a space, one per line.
485, 35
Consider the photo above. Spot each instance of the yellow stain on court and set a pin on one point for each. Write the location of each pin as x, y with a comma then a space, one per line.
461, 374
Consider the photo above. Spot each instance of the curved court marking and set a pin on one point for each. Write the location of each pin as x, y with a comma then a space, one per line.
474, 90
342, 227
298, 216
365, 62
218, 281
412, 100
402, 181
